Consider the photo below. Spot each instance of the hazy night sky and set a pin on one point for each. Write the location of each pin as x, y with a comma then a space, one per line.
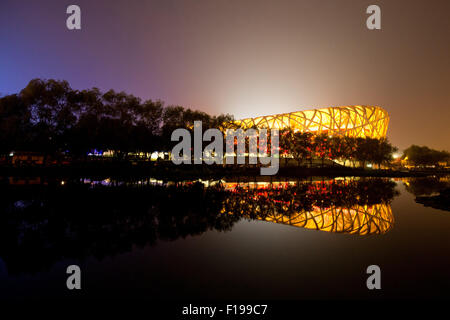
244, 57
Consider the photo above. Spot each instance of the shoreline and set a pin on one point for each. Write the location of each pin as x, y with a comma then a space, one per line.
183, 172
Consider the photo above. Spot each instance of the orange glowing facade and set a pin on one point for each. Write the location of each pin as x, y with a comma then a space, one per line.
353, 121
262, 201
361, 220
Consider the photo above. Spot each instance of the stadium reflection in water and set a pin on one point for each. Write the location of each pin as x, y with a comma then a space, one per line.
360, 220
78, 218
239, 238
340, 206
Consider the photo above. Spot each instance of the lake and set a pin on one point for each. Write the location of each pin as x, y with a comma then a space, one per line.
245, 238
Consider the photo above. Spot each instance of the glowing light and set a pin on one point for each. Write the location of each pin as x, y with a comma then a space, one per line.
352, 121
154, 156
362, 220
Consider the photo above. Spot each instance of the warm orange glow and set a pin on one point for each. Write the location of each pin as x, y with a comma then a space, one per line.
361, 220
353, 121
351, 219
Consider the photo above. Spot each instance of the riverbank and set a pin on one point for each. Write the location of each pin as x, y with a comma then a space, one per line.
169, 171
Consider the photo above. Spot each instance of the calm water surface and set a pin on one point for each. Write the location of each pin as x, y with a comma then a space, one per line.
285, 240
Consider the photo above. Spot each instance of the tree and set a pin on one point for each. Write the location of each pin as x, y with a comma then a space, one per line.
337, 148
422, 155
349, 149
383, 153
50, 104
322, 146
14, 124
302, 146
365, 149
286, 144
49, 116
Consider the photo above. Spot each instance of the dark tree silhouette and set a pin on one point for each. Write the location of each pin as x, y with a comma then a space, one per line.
50, 117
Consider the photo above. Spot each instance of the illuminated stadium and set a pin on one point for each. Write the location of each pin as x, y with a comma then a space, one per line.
353, 121
361, 220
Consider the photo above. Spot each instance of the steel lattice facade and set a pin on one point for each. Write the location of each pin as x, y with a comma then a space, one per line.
361, 220
353, 121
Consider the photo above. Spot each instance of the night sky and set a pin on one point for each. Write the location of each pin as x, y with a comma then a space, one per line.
244, 57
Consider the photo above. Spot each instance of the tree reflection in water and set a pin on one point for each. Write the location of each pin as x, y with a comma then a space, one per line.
426, 186
430, 191
345, 206
43, 224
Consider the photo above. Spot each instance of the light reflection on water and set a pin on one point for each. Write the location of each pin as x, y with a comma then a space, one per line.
149, 226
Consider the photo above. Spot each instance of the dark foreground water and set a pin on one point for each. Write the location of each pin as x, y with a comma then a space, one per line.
286, 240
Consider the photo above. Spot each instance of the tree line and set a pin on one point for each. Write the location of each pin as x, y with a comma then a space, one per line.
49, 116
424, 156
305, 146
104, 221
